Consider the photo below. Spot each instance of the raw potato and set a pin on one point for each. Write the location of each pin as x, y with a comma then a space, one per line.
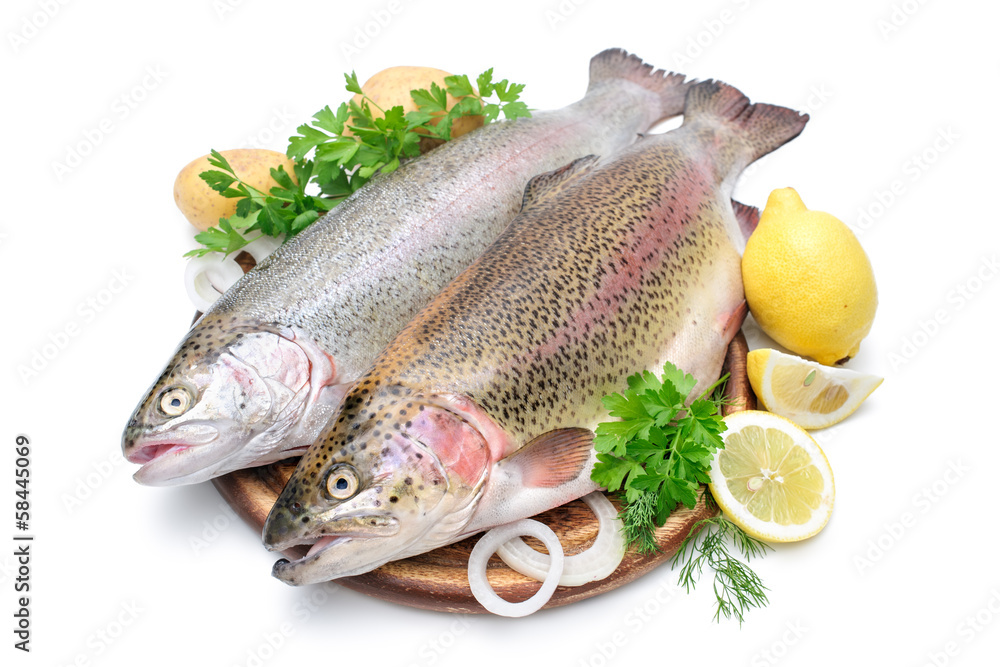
203, 206
391, 87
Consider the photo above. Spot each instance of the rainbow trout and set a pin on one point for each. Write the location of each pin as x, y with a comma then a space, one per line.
262, 372
481, 411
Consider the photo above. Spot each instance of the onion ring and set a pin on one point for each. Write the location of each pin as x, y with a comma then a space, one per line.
206, 278
487, 546
594, 564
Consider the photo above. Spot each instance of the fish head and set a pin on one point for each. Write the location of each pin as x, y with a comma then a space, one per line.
231, 396
392, 479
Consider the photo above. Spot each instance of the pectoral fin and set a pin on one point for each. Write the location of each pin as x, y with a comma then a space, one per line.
553, 458
549, 471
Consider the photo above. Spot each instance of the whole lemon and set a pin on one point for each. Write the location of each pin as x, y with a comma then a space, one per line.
808, 281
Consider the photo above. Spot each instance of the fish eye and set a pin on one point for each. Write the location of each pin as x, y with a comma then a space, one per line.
175, 401
342, 482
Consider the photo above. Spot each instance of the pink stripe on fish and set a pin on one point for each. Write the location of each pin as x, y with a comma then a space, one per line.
642, 255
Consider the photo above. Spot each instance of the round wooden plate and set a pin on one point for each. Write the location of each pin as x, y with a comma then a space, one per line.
438, 580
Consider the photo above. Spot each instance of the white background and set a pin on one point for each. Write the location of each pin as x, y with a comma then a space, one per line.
902, 96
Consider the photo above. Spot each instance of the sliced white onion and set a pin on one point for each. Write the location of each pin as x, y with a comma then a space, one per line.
487, 546
207, 278
594, 564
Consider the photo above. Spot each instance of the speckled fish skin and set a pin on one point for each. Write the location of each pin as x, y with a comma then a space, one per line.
264, 370
480, 411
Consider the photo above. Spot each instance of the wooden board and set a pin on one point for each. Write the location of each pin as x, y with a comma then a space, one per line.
438, 580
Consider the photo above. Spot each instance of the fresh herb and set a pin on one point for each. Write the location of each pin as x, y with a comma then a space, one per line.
379, 141
737, 588
639, 523
285, 209
660, 451
658, 455
337, 165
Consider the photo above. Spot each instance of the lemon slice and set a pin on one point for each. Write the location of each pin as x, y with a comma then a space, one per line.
772, 479
810, 394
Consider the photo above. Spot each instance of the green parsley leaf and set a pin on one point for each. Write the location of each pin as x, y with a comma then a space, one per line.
352, 84
661, 447
336, 165
657, 456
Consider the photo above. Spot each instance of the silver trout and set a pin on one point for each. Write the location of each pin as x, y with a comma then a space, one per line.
262, 372
481, 411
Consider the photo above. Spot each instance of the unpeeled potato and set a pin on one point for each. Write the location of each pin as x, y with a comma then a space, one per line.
203, 206
391, 87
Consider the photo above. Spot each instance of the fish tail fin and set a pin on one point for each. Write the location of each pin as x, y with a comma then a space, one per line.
763, 127
670, 87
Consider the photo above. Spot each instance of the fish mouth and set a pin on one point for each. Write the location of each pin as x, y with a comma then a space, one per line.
151, 452
301, 572
280, 534
354, 548
181, 456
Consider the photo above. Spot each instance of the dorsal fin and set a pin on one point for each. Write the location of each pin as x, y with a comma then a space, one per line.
747, 216
544, 185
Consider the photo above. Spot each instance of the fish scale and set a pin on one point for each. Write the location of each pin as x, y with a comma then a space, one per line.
328, 300
612, 266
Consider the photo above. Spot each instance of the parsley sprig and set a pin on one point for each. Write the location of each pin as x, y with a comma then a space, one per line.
285, 209
380, 139
377, 141
657, 455
660, 450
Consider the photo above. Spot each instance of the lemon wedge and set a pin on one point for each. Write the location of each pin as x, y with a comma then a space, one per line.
810, 394
772, 479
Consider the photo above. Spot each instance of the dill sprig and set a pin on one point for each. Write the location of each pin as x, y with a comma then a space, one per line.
737, 588
639, 523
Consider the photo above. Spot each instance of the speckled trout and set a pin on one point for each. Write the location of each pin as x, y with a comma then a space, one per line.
481, 411
262, 372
